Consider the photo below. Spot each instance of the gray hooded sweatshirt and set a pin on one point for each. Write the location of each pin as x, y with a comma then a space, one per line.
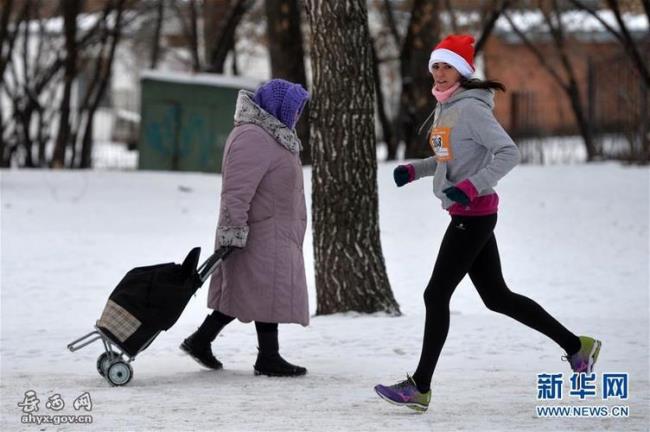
481, 150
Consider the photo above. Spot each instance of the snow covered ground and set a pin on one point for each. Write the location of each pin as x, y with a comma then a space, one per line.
574, 238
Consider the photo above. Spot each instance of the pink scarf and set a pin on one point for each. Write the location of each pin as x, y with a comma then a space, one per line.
442, 96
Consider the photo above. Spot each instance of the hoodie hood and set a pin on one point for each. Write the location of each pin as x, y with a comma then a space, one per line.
484, 95
247, 111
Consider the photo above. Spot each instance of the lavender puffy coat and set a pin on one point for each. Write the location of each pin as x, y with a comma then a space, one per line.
262, 211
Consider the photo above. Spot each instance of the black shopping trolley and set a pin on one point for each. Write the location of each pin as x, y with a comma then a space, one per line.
147, 301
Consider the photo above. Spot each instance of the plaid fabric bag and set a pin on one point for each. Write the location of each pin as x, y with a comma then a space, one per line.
148, 300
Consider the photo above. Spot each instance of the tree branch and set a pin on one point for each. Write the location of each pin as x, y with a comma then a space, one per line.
489, 24
452, 16
629, 45
392, 26
560, 41
155, 51
536, 52
578, 4
226, 36
190, 32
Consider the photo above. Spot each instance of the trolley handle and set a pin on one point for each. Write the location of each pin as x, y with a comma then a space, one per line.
210, 265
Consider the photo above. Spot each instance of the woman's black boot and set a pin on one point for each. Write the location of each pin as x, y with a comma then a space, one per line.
269, 361
198, 344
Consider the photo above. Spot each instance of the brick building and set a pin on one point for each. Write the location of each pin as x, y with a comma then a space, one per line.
535, 104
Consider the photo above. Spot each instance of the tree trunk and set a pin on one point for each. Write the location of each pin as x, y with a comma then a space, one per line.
6, 48
644, 124
194, 36
42, 138
190, 29
390, 21
636, 53
288, 56
215, 12
489, 23
581, 118
6, 39
30, 124
155, 46
26, 122
2, 139
107, 65
350, 270
630, 45
223, 31
70, 9
570, 88
416, 102
384, 121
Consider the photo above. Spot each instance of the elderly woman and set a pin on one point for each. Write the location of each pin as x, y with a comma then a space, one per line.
263, 218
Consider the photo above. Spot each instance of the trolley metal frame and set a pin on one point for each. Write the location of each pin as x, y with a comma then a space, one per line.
114, 364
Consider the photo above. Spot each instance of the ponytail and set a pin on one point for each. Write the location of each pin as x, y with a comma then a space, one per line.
475, 83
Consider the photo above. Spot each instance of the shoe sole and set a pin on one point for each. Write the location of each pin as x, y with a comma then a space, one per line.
593, 356
278, 375
196, 359
414, 406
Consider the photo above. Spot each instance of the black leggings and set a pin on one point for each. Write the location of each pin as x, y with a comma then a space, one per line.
469, 246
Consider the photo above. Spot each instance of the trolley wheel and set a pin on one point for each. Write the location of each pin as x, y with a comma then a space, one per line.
119, 373
104, 361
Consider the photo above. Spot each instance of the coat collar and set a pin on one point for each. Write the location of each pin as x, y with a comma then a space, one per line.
248, 111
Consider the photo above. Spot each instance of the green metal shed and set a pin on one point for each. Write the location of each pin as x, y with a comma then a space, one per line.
186, 119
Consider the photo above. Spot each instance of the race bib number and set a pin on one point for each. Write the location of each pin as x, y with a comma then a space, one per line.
440, 143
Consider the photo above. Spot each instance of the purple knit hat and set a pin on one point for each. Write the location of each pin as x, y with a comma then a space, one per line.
282, 99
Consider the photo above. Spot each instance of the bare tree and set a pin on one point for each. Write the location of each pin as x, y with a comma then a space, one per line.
497, 9
416, 102
569, 84
187, 14
623, 35
24, 86
70, 10
7, 40
390, 21
453, 21
387, 123
350, 269
288, 56
637, 50
155, 45
33, 79
101, 80
646, 8
224, 16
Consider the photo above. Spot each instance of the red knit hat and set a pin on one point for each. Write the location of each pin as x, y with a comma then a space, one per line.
457, 51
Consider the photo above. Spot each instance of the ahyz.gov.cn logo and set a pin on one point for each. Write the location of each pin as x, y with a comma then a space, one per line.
55, 403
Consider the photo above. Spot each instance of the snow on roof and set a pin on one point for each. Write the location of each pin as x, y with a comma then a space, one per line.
573, 21
215, 80
128, 115
85, 22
